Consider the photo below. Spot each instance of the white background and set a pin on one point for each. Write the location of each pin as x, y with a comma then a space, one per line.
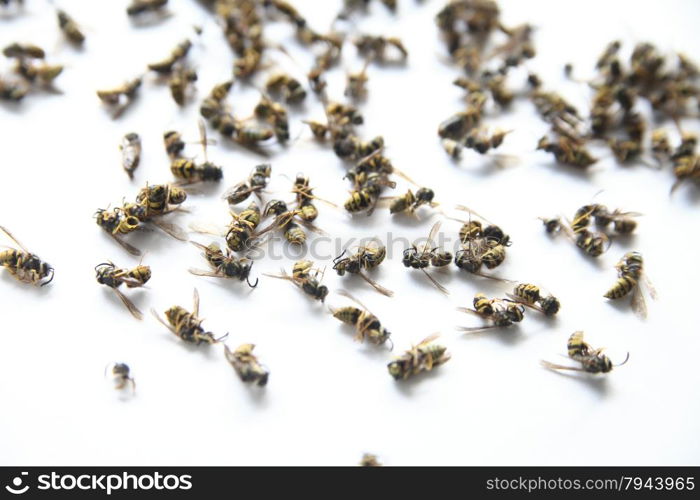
330, 399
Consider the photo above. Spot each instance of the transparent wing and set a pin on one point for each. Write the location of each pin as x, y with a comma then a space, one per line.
9, 234
376, 286
129, 305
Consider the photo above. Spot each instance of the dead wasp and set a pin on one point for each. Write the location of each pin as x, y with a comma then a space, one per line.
623, 222
41, 73
160, 199
356, 83
23, 51
410, 202
257, 181
481, 244
367, 194
224, 264
242, 227
369, 460
367, 326
179, 83
120, 97
532, 296
481, 141
188, 326
113, 277
189, 172
246, 364
427, 256
631, 278
12, 91
499, 313
452, 148
422, 357
305, 198
660, 145
379, 48
131, 153
275, 115
287, 221
70, 28
138, 7
174, 145
592, 243
592, 360
166, 65
116, 223
23, 265
289, 88
365, 258
567, 151
121, 374
307, 282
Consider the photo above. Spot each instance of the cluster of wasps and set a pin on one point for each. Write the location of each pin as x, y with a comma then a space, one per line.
151, 204
29, 71
187, 326
470, 31
481, 244
684, 160
597, 241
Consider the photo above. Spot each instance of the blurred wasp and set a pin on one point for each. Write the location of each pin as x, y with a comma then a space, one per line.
121, 374
369, 460
365, 258
224, 264
180, 81
427, 256
246, 364
167, 65
188, 326
289, 87
23, 265
23, 51
532, 296
70, 28
120, 97
189, 172
12, 90
568, 151
631, 278
275, 115
113, 277
302, 278
379, 48
367, 325
498, 312
138, 7
356, 83
257, 181
592, 360
131, 153
422, 357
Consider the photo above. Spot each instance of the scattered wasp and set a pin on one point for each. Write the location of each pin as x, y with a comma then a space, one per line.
551, 224
240, 231
179, 83
304, 198
161, 199
480, 141
23, 51
369, 460
120, 97
452, 148
623, 222
174, 145
592, 243
246, 364
356, 84
307, 282
257, 181
428, 256
318, 129
131, 153
12, 91
70, 28
366, 324
121, 373
113, 277
364, 259
116, 222
138, 7
188, 326
631, 276
499, 312
660, 145
286, 220
176, 55
224, 264
189, 172
567, 151
366, 197
410, 202
25, 266
378, 48
592, 360
532, 296
42, 73
275, 115
289, 87
419, 358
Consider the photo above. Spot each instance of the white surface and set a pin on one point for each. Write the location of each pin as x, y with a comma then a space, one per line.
330, 399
